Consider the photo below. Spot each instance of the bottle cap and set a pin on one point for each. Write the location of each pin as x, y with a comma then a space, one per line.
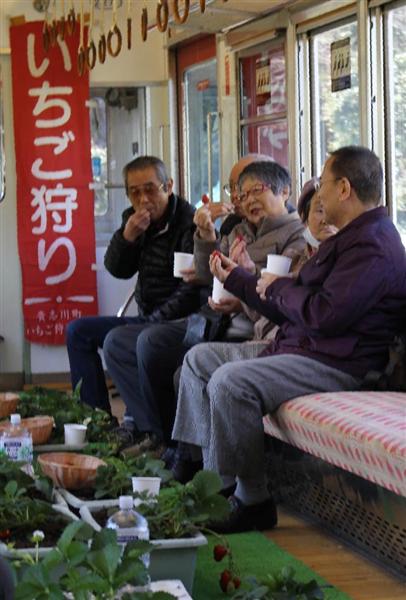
126, 502
15, 419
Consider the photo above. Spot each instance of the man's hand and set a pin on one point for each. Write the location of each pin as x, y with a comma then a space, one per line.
136, 225
239, 254
220, 265
264, 282
226, 306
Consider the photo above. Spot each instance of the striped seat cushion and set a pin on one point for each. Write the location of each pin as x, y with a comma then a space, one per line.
361, 432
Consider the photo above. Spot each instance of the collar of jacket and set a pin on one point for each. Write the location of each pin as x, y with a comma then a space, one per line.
270, 223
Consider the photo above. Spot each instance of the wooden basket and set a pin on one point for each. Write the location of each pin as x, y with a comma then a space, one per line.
39, 427
8, 403
70, 470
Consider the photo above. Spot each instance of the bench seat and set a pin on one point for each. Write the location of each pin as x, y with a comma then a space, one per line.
361, 432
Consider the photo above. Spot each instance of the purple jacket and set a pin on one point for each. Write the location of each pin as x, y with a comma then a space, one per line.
348, 302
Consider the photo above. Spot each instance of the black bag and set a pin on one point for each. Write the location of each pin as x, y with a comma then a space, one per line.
205, 326
393, 378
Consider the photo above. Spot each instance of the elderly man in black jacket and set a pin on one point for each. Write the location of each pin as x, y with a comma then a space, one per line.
158, 224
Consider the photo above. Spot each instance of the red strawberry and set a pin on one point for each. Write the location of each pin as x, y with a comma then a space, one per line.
236, 582
216, 253
219, 552
225, 580
240, 237
205, 199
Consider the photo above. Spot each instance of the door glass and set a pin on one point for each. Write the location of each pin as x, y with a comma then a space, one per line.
117, 124
267, 138
335, 114
202, 156
263, 85
396, 60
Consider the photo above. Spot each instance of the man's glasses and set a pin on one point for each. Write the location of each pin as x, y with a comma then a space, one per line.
230, 189
318, 183
149, 189
255, 191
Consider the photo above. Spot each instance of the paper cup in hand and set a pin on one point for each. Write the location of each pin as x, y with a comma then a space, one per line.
182, 261
146, 484
278, 264
219, 293
75, 434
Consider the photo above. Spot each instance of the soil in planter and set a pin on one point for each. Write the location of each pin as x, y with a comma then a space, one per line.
21, 537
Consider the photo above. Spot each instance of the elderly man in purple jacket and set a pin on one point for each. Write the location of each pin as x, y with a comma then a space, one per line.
337, 320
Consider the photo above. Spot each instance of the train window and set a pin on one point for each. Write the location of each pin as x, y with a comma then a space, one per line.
395, 60
263, 104
334, 103
117, 125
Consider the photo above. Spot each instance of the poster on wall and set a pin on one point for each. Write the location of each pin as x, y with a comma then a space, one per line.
55, 223
340, 56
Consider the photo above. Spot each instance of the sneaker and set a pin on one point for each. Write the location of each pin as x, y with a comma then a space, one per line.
147, 443
247, 517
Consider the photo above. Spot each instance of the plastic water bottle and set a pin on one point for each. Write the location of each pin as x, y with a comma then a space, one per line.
129, 525
16, 441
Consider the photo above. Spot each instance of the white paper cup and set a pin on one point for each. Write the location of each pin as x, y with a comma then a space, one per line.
182, 261
278, 264
74, 434
219, 293
146, 484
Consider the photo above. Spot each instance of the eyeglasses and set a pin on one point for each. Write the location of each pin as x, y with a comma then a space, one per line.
149, 189
230, 189
255, 191
318, 183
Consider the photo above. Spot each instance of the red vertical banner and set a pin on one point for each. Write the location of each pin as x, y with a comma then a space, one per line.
56, 238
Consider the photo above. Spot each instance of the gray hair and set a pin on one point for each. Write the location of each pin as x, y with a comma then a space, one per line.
145, 162
269, 172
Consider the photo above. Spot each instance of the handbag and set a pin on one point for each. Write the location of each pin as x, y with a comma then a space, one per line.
205, 326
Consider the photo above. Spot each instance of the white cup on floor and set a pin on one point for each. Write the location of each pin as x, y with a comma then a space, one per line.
75, 434
277, 264
182, 261
219, 293
151, 485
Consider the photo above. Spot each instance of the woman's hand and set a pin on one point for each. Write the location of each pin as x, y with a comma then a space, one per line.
204, 223
226, 306
189, 276
239, 254
264, 282
220, 265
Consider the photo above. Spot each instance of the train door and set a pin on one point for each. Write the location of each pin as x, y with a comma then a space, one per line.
117, 119
198, 119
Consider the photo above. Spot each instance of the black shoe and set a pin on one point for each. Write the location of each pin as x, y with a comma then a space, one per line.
125, 434
184, 470
228, 491
247, 517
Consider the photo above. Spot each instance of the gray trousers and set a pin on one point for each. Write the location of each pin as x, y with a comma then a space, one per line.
226, 389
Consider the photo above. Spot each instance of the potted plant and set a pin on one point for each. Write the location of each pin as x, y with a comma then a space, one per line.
114, 479
86, 565
26, 504
175, 518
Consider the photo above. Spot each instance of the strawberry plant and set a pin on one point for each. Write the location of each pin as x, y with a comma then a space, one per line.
86, 565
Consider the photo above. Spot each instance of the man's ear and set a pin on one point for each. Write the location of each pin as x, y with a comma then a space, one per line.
344, 188
169, 186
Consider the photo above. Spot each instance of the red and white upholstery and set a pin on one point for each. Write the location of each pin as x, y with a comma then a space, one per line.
361, 432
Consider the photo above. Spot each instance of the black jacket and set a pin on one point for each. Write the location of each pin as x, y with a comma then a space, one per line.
159, 295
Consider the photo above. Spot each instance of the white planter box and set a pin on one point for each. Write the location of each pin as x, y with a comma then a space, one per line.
42, 551
76, 502
173, 558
